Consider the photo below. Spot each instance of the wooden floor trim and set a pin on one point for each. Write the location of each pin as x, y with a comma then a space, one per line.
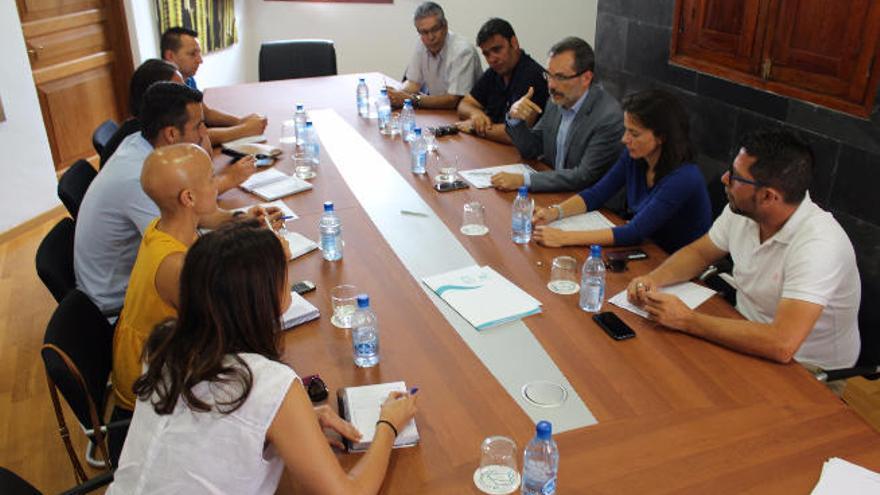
37, 221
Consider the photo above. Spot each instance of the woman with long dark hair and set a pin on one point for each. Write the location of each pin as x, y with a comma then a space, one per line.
666, 193
217, 412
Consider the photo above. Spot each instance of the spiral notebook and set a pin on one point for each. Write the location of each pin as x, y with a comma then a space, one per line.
361, 406
274, 184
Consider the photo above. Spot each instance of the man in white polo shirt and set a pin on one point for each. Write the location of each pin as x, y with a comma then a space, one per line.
443, 68
794, 266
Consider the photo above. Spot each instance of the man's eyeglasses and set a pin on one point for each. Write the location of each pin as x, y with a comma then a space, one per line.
434, 30
732, 176
560, 77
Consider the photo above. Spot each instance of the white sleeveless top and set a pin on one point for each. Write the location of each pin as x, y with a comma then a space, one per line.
190, 452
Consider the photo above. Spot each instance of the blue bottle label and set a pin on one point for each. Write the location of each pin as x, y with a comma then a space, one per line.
549, 487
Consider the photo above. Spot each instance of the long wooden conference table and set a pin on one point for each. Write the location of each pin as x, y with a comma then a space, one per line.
675, 414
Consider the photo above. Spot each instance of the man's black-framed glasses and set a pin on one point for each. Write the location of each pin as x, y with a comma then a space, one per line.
732, 176
434, 30
561, 77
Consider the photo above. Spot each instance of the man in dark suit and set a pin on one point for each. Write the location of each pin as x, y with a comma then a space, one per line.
579, 131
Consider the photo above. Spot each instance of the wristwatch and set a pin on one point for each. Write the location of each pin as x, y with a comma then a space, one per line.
417, 100
559, 213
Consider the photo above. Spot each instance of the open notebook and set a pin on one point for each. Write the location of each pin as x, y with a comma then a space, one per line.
273, 184
360, 406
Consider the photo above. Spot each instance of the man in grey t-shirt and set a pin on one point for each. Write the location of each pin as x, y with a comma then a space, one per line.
444, 66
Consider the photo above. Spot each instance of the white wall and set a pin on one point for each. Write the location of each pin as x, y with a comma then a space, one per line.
220, 68
28, 185
381, 37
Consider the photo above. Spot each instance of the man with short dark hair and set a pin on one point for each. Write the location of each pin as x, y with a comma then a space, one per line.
181, 47
511, 73
444, 66
794, 266
579, 131
115, 210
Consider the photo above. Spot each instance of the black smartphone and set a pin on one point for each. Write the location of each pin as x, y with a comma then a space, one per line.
236, 155
614, 326
450, 186
303, 286
263, 162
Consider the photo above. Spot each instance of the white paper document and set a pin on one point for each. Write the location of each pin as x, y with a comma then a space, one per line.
839, 476
592, 220
257, 138
482, 296
361, 406
281, 205
299, 312
481, 178
690, 293
273, 184
299, 244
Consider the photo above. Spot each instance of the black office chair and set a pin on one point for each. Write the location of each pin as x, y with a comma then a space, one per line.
13, 484
77, 354
868, 363
73, 185
54, 259
103, 134
294, 59
712, 275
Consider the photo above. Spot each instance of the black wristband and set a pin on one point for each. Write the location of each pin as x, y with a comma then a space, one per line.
385, 421
239, 213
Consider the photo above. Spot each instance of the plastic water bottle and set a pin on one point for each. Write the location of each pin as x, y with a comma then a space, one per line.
299, 119
540, 462
593, 281
331, 233
312, 144
365, 334
522, 216
418, 153
407, 121
383, 109
363, 98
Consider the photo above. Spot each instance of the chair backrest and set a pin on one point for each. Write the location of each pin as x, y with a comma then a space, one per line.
54, 259
77, 353
869, 319
293, 59
103, 134
73, 185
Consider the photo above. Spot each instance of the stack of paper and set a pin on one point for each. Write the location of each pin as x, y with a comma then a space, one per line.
585, 221
839, 476
481, 178
690, 293
253, 149
273, 184
299, 312
482, 296
256, 138
299, 244
361, 406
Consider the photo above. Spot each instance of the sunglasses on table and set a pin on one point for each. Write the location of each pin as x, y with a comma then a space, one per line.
315, 387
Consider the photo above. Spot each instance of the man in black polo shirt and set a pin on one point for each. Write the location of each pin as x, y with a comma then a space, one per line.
511, 74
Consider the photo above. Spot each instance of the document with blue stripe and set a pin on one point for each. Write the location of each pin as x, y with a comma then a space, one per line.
482, 296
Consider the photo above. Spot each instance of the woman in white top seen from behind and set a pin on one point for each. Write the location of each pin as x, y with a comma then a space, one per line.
217, 411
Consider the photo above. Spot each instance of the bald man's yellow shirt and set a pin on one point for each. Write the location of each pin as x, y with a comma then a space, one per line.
142, 311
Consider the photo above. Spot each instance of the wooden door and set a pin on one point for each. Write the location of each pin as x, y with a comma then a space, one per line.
721, 31
81, 63
826, 46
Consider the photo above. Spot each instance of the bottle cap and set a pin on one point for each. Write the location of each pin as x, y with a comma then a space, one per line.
308, 123
299, 106
363, 301
328, 205
407, 102
361, 79
417, 131
523, 191
595, 250
544, 430
384, 91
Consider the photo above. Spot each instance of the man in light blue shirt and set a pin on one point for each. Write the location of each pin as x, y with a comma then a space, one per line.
579, 130
115, 210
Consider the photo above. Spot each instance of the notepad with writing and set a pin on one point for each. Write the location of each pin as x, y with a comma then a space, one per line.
299, 244
361, 406
481, 178
690, 293
299, 312
273, 184
482, 296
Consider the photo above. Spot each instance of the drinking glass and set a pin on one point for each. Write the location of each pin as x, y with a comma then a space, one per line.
288, 136
430, 139
303, 164
448, 168
344, 301
473, 221
563, 276
498, 473
394, 124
